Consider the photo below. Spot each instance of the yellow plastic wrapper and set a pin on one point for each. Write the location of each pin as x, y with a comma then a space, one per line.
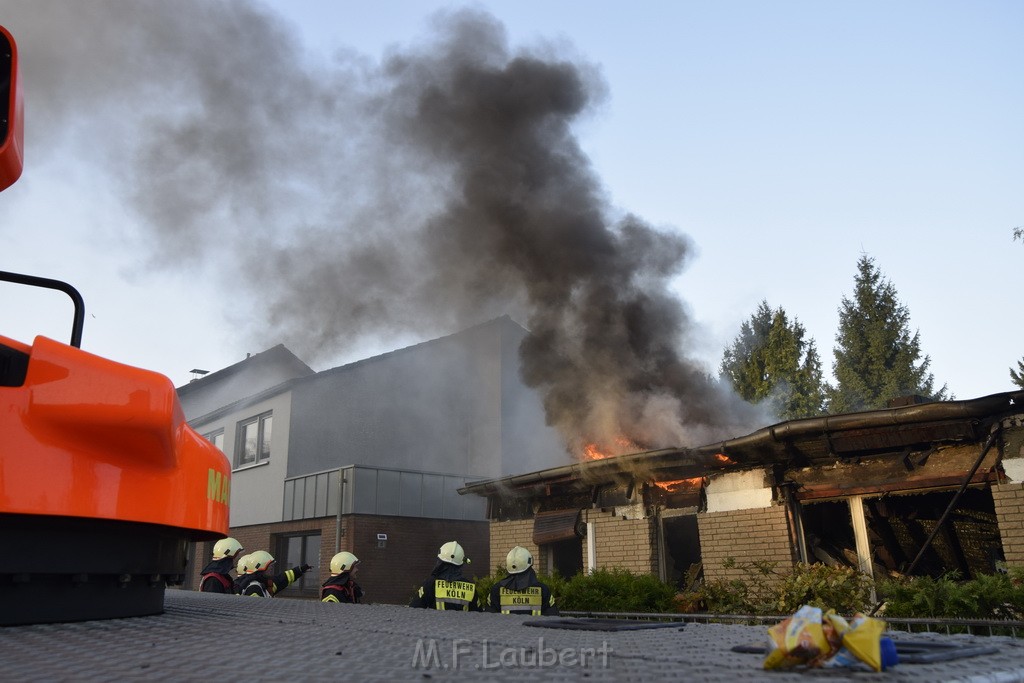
796, 640
862, 643
815, 639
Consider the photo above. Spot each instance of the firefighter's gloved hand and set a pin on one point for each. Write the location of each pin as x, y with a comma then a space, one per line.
305, 568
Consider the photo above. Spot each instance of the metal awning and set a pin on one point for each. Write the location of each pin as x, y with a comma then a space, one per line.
554, 526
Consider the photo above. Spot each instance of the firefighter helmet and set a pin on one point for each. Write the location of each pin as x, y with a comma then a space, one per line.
518, 560
243, 565
452, 552
260, 561
343, 562
226, 547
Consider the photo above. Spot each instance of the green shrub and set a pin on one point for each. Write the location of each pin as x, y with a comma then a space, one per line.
485, 583
616, 590
989, 596
843, 589
766, 591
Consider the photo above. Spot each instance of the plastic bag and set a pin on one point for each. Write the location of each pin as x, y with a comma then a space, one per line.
815, 638
864, 647
796, 640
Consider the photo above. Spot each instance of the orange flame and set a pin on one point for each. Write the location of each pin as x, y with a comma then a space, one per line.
680, 484
724, 459
621, 445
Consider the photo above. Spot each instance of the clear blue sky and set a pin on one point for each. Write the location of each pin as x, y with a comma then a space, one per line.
785, 139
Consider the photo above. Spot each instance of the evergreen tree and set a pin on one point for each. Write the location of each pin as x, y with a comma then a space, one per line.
876, 357
1018, 375
771, 362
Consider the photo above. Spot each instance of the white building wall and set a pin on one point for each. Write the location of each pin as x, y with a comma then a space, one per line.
257, 491
739, 491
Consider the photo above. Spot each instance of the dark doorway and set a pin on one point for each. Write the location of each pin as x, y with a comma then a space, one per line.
682, 549
567, 557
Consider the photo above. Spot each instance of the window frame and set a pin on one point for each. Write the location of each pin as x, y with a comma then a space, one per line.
212, 438
308, 585
263, 440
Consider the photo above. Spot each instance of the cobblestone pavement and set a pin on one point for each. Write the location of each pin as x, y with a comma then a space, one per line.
209, 637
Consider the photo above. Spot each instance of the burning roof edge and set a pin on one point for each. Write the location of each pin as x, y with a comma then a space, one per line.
779, 443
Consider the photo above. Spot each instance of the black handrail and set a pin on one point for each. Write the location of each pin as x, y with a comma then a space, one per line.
34, 281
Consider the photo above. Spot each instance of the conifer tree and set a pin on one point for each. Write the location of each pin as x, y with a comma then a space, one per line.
1018, 375
876, 357
770, 361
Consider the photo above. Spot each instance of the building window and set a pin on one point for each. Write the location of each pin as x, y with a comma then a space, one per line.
253, 446
216, 438
295, 551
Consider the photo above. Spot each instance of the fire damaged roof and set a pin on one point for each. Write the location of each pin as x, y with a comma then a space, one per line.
807, 442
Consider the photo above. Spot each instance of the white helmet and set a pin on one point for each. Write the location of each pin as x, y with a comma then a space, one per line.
259, 561
518, 560
343, 562
452, 552
243, 565
226, 547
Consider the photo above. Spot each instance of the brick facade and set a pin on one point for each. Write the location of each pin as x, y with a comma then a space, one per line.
1009, 504
622, 542
388, 574
760, 534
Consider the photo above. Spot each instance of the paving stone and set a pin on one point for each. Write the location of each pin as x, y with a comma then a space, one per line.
206, 637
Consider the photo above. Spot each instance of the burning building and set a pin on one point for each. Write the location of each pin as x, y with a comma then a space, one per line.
920, 488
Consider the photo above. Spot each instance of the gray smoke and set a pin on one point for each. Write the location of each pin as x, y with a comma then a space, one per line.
356, 199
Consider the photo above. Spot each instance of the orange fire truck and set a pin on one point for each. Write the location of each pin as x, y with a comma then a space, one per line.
102, 482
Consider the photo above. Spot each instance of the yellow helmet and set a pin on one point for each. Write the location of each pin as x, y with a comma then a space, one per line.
259, 561
453, 552
343, 562
243, 565
226, 547
518, 560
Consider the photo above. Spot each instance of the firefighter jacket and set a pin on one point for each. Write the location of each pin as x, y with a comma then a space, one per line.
258, 584
340, 588
522, 593
446, 589
216, 576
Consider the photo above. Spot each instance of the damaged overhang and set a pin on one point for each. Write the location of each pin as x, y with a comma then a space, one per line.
892, 432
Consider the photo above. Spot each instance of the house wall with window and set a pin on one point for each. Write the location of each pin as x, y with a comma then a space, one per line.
254, 437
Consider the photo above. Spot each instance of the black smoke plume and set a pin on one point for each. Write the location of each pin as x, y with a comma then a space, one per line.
357, 199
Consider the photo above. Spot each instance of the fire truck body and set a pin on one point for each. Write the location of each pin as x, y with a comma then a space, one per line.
102, 482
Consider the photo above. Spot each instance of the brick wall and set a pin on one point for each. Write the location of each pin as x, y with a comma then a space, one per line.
1009, 504
258, 537
744, 535
393, 574
622, 543
390, 574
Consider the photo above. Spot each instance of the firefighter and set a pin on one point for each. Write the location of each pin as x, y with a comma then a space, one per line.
446, 589
521, 592
342, 586
216, 576
242, 569
259, 582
